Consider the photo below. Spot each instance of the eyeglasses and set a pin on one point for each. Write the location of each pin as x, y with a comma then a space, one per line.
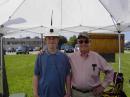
83, 41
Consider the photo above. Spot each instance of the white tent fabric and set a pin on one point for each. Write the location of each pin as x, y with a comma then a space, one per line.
7, 7
120, 12
3, 2
119, 9
118, 27
21, 34
66, 13
73, 16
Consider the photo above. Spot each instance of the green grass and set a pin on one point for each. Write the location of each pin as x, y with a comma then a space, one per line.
0, 82
125, 68
20, 71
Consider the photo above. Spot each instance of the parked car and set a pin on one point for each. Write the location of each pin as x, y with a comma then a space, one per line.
68, 49
37, 49
22, 50
30, 48
10, 49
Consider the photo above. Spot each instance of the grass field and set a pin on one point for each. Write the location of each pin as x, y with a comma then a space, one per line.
20, 71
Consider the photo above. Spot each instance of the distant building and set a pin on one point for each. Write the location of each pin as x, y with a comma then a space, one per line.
127, 45
15, 42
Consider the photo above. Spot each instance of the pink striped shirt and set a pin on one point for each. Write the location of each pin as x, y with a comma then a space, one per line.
84, 75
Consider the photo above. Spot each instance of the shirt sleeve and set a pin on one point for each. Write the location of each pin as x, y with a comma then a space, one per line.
108, 70
68, 67
37, 66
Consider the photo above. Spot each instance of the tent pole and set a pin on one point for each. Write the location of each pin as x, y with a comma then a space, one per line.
61, 14
119, 45
117, 26
119, 60
4, 83
42, 40
1, 63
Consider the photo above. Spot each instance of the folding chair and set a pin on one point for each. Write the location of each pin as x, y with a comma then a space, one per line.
117, 87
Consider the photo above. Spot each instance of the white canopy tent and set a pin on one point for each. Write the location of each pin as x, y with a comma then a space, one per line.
74, 16
7, 8
86, 14
120, 13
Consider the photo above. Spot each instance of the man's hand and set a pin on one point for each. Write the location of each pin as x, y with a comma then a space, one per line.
67, 95
36, 95
97, 91
41, 52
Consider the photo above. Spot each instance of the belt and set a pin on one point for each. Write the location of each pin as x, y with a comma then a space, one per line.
82, 91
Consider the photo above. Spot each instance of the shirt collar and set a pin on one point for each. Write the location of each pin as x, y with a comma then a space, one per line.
56, 53
85, 54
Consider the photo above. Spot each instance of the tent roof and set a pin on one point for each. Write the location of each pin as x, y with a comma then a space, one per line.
66, 13
7, 7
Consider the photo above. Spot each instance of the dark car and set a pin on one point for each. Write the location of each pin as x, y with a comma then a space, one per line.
30, 48
68, 49
22, 50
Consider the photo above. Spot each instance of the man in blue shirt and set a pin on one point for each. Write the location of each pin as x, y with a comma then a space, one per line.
52, 70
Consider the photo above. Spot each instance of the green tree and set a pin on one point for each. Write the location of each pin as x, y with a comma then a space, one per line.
72, 40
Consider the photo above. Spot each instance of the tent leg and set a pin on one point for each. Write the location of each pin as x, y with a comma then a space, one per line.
119, 60
3, 78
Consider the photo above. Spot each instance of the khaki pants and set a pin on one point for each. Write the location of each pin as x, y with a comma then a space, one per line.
79, 94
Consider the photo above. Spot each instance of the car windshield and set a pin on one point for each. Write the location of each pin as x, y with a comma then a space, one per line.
68, 47
21, 47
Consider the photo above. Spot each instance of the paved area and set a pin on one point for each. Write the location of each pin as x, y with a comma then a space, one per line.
126, 51
14, 53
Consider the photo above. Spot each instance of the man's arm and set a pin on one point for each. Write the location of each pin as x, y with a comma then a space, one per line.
108, 78
98, 90
68, 86
108, 70
35, 86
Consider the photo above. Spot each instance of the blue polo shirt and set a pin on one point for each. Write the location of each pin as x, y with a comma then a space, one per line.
52, 70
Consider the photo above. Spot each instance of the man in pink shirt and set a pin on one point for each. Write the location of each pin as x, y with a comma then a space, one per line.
86, 66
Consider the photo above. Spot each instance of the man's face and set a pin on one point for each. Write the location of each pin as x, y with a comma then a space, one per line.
84, 44
52, 41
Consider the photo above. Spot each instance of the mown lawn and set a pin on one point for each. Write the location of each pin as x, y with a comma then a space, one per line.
20, 71
125, 68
